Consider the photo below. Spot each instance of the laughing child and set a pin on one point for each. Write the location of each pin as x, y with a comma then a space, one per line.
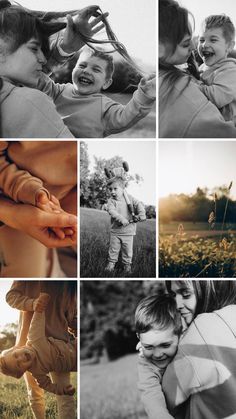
219, 71
41, 354
158, 326
86, 111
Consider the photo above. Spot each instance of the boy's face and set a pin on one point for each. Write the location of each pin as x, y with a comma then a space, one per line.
19, 360
24, 65
116, 190
213, 47
159, 345
89, 75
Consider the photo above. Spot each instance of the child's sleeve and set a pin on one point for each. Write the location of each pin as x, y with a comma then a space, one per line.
151, 392
17, 184
114, 213
16, 297
223, 91
45, 382
48, 86
118, 118
139, 209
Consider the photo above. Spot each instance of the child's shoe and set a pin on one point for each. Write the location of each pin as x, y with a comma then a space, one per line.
110, 267
127, 269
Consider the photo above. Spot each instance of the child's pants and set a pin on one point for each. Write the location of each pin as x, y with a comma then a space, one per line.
21, 256
120, 243
65, 404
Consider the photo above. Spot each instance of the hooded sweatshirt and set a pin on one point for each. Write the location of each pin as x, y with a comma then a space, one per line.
220, 86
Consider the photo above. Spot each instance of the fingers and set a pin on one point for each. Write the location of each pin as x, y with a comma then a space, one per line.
59, 232
56, 220
98, 19
41, 197
97, 29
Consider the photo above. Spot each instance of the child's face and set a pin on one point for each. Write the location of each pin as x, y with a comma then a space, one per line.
159, 345
181, 53
24, 65
185, 299
89, 75
19, 360
213, 47
116, 190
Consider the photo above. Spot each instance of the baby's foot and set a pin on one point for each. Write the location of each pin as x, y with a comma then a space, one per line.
110, 267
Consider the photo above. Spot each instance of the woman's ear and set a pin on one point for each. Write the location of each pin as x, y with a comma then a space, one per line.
107, 84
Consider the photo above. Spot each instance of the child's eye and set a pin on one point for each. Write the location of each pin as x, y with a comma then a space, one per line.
201, 40
166, 345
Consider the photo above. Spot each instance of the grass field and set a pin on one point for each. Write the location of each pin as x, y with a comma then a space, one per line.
195, 250
94, 243
14, 402
109, 391
145, 128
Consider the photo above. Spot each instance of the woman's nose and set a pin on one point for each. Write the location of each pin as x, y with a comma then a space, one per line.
41, 57
179, 301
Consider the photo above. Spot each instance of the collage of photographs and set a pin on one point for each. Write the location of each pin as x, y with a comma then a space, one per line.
143, 325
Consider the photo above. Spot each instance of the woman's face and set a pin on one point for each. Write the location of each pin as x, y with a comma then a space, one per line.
185, 297
23, 66
181, 53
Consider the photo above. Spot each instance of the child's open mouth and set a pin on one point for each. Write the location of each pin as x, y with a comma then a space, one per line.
207, 54
85, 81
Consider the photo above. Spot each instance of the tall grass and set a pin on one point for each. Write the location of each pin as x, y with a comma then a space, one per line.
94, 244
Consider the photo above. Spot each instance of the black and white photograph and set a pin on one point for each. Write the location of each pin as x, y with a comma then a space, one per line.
117, 209
197, 63
158, 349
38, 344
85, 73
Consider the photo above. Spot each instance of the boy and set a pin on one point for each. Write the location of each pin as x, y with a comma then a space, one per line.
158, 326
123, 227
219, 71
85, 110
41, 355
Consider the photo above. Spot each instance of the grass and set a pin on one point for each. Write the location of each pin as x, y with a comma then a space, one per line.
94, 244
197, 251
145, 128
109, 391
14, 402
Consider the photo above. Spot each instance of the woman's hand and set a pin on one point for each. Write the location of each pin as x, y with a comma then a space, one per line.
37, 223
72, 40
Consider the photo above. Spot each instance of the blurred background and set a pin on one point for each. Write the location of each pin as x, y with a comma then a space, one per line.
108, 368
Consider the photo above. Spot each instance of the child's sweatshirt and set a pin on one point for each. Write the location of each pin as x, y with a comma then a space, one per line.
119, 212
95, 116
27, 166
51, 355
149, 384
220, 86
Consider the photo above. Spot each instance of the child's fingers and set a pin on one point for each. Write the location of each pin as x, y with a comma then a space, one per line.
41, 197
59, 232
68, 231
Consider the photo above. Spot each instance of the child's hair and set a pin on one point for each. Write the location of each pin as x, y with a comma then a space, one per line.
103, 55
157, 312
211, 295
173, 26
6, 370
223, 22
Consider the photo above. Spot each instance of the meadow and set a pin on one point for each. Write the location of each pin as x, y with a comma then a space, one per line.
194, 250
109, 390
14, 402
145, 128
94, 243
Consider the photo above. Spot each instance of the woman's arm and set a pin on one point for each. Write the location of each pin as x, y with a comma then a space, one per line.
37, 223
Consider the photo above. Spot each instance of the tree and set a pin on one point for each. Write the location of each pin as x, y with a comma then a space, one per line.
84, 173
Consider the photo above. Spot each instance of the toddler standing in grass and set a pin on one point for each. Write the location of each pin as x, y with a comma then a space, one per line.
218, 71
86, 111
158, 326
123, 223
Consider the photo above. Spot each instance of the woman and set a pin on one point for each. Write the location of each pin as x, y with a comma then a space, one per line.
60, 317
184, 112
200, 382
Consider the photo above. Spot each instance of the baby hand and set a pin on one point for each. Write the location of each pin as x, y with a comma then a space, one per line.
148, 85
41, 302
125, 223
69, 390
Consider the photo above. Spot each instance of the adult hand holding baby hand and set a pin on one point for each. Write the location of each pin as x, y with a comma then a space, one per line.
69, 390
41, 302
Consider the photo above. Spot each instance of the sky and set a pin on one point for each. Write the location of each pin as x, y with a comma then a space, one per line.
203, 8
185, 165
7, 314
132, 21
141, 157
